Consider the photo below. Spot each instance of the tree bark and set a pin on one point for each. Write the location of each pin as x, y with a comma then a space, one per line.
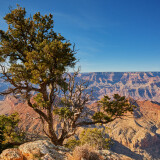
52, 134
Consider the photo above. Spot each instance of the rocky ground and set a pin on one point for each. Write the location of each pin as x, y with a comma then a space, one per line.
45, 150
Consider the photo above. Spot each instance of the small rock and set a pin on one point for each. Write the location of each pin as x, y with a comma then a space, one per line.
48, 157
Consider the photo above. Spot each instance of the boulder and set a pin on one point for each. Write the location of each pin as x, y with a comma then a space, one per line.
41, 148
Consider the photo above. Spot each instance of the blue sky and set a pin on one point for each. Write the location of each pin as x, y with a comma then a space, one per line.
110, 35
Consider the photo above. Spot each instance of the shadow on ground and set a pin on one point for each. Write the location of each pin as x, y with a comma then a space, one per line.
120, 149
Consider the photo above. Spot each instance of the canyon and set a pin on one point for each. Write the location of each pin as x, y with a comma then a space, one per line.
137, 135
138, 85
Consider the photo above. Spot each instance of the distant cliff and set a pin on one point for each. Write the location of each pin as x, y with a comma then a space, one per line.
138, 85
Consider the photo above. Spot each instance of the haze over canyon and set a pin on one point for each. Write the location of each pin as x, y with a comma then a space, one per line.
138, 85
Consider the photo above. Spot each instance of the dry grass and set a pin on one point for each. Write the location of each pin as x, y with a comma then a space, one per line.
84, 152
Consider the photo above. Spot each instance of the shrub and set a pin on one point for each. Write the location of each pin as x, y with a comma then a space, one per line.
10, 135
96, 138
84, 152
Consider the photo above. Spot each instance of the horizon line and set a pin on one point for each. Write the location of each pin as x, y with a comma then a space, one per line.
121, 72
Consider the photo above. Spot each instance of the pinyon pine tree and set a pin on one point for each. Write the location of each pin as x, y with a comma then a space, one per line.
32, 53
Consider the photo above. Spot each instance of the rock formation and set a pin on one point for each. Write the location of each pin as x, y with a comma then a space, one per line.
41, 149
138, 85
45, 150
139, 132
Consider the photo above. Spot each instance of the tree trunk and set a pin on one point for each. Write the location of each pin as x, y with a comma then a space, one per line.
60, 142
52, 134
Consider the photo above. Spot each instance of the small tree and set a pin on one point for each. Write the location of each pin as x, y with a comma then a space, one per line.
34, 59
10, 135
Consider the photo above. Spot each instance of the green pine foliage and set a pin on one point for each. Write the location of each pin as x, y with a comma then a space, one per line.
113, 108
10, 135
35, 53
